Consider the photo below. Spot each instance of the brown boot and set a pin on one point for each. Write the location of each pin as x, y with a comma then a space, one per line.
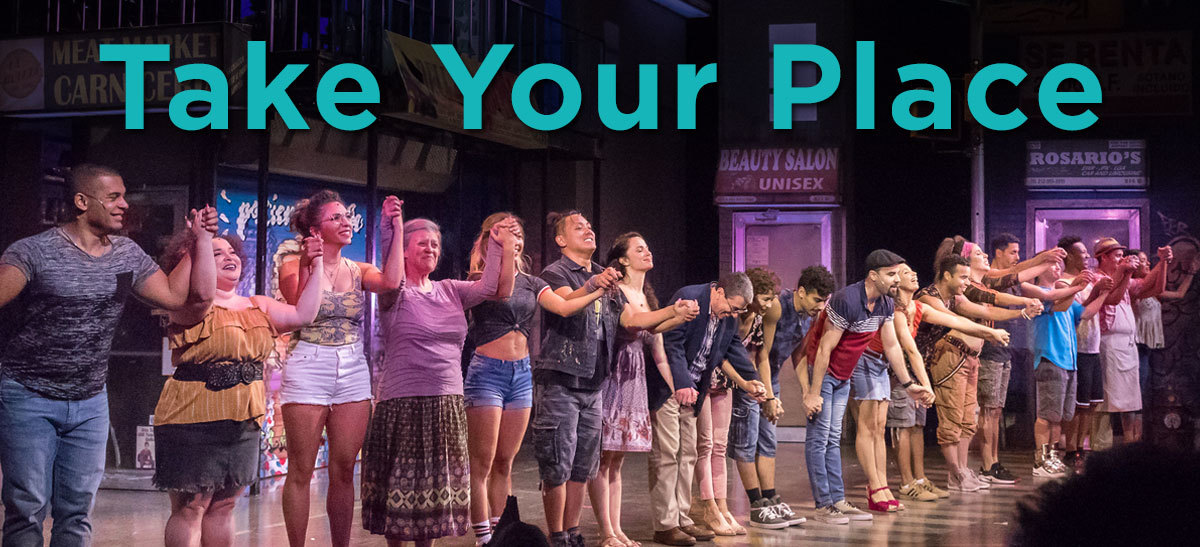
674, 536
699, 532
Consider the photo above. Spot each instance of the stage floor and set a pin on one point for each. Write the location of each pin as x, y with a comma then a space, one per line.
129, 518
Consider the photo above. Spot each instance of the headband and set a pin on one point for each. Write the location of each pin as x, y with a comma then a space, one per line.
967, 248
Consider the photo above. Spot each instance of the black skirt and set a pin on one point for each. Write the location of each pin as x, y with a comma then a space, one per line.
207, 456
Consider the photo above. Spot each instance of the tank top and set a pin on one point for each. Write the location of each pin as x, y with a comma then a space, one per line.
339, 320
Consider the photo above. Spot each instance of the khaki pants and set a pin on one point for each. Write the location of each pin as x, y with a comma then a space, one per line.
956, 378
672, 462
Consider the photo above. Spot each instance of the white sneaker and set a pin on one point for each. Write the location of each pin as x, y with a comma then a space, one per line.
961, 482
852, 512
983, 485
830, 515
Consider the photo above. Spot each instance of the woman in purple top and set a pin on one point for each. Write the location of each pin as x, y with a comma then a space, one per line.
415, 484
498, 388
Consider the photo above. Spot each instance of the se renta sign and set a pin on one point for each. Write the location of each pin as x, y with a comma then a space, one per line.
346, 92
1085, 164
777, 175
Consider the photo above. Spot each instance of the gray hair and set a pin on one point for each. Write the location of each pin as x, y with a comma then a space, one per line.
737, 284
415, 225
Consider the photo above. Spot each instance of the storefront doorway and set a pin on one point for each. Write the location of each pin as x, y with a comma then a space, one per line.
786, 242
1127, 220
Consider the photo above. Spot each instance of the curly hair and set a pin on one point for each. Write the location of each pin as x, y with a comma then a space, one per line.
307, 213
764, 281
181, 243
816, 279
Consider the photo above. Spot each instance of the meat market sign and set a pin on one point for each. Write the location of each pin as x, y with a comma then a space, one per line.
63, 73
777, 175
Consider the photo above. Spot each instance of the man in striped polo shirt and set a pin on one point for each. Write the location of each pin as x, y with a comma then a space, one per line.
834, 344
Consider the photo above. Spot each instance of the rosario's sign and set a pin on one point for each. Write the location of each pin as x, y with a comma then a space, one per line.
1085, 164
778, 175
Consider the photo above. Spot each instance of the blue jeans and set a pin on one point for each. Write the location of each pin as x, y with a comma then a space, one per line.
822, 443
52, 457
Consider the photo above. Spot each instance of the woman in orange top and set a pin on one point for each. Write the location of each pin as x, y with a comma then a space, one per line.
206, 424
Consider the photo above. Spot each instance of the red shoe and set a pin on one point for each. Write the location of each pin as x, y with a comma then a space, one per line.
879, 506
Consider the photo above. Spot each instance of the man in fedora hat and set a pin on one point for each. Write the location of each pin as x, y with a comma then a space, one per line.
1118, 328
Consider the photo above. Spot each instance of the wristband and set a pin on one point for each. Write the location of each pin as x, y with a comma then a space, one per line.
908, 383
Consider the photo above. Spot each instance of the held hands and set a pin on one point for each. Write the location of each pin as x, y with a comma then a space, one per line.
393, 211
1128, 264
812, 404
1033, 308
1084, 278
921, 394
504, 232
203, 223
1057, 254
772, 410
756, 389
1104, 284
314, 249
686, 309
606, 279
686, 396
1165, 253
998, 336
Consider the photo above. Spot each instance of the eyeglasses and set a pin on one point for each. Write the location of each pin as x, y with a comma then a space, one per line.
338, 218
736, 311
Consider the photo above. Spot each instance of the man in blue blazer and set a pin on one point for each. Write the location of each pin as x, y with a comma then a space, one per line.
694, 350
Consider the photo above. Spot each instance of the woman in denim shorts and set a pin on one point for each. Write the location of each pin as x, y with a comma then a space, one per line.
498, 387
326, 379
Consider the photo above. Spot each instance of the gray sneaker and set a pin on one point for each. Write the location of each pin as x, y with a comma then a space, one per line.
852, 512
786, 512
830, 515
764, 514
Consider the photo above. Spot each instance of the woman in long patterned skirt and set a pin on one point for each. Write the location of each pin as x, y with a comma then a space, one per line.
415, 464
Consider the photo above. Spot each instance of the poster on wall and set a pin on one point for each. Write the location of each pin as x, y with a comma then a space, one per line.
777, 175
145, 447
1083, 164
237, 209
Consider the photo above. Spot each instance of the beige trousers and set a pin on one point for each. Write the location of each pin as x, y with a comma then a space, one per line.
672, 465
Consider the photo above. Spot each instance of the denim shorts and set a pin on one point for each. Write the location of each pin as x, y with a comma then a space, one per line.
750, 433
493, 382
325, 375
870, 379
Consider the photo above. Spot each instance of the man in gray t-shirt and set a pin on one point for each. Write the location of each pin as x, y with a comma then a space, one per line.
69, 285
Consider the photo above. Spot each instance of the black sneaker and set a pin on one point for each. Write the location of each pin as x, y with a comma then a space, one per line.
999, 475
575, 540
